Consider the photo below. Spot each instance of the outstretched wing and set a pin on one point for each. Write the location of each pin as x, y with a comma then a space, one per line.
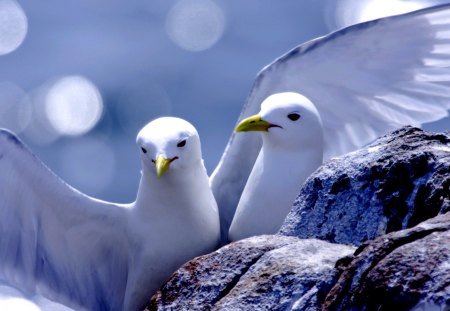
365, 80
55, 240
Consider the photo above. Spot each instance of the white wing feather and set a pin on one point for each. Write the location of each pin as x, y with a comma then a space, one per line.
55, 240
365, 80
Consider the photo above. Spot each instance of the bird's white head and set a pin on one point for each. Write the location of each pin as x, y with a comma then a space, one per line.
168, 145
289, 120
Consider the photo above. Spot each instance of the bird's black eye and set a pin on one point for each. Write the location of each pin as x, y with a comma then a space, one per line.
144, 150
181, 143
293, 116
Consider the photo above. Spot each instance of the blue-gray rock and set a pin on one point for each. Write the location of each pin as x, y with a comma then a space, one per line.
259, 273
398, 181
405, 270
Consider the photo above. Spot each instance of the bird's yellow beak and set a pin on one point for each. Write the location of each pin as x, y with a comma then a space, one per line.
253, 124
162, 165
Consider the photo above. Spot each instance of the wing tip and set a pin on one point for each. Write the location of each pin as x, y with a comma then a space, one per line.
11, 137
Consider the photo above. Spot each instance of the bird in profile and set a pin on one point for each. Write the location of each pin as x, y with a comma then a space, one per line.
95, 255
292, 149
363, 80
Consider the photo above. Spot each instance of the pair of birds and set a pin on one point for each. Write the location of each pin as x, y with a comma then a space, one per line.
112, 256
89, 254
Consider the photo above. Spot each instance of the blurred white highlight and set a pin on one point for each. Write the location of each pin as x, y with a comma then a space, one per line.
195, 25
13, 26
349, 12
12, 299
73, 105
39, 131
377, 9
15, 108
14, 304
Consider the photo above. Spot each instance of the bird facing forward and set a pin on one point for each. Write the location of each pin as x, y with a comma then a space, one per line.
95, 255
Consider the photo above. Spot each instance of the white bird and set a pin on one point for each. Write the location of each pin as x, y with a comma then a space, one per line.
95, 255
292, 149
364, 80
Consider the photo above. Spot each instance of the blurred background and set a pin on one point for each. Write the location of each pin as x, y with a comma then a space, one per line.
79, 78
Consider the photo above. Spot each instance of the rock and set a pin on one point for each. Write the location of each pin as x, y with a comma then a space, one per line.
403, 270
395, 183
260, 273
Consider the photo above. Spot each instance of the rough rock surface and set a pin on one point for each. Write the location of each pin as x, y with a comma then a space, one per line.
266, 273
395, 183
403, 270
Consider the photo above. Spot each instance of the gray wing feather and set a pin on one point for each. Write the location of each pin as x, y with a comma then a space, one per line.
365, 80
55, 240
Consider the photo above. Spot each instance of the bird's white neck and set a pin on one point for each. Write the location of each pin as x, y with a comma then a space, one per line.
293, 165
174, 186
273, 184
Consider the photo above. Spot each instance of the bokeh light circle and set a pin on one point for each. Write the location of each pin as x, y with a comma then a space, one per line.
195, 25
73, 105
350, 12
378, 9
39, 131
13, 26
15, 108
